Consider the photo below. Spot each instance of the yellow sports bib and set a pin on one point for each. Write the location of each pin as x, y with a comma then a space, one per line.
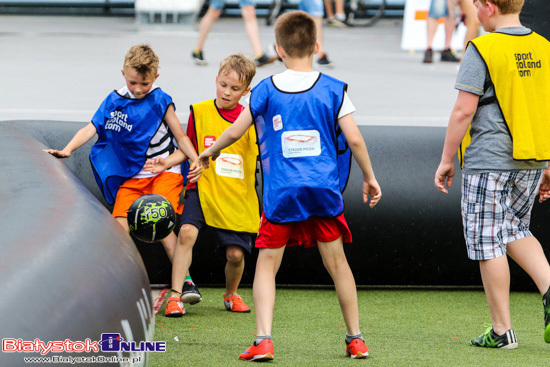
519, 67
227, 190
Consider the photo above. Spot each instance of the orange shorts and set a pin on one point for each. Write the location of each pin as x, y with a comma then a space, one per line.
306, 233
167, 184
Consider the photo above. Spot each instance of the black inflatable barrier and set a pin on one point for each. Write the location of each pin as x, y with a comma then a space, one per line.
413, 237
68, 271
535, 14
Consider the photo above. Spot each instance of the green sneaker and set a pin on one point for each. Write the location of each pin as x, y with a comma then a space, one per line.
546, 303
491, 340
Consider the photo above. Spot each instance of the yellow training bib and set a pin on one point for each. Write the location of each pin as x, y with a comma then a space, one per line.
227, 190
519, 67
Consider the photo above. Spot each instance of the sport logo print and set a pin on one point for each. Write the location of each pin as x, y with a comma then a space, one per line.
301, 143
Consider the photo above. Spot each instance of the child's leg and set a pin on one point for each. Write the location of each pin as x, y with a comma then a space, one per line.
208, 20
183, 256
472, 23
233, 269
267, 265
123, 221
337, 265
495, 274
169, 243
528, 253
251, 26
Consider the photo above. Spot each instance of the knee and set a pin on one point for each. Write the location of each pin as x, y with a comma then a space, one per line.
187, 235
234, 255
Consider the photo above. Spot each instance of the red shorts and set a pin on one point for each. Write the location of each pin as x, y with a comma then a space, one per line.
306, 233
167, 184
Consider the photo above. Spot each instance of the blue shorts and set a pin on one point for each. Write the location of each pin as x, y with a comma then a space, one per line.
496, 210
192, 214
438, 9
219, 4
315, 8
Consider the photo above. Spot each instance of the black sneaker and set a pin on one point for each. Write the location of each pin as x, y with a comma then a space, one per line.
448, 56
198, 58
325, 62
489, 339
190, 293
546, 303
264, 60
428, 56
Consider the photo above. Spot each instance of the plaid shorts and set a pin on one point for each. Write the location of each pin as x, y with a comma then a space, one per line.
496, 210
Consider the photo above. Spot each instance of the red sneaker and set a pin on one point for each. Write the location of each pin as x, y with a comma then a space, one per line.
357, 349
235, 304
259, 353
174, 307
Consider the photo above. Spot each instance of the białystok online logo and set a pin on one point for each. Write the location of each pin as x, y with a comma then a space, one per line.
110, 342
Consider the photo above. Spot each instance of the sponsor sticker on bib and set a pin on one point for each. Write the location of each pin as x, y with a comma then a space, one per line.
277, 122
306, 143
230, 165
209, 140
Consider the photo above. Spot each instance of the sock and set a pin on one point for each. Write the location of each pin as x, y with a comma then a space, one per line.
188, 280
260, 338
341, 17
349, 338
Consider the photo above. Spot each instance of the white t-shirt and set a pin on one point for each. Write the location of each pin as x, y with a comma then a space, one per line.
297, 81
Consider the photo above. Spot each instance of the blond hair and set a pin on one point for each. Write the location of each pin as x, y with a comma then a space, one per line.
243, 66
296, 33
506, 6
143, 59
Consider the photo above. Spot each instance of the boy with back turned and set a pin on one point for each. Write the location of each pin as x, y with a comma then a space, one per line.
302, 119
504, 91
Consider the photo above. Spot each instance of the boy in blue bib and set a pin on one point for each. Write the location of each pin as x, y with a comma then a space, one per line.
133, 124
304, 126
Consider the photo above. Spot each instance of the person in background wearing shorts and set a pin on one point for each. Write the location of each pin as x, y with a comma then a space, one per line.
248, 12
225, 198
316, 9
503, 101
439, 9
304, 123
133, 124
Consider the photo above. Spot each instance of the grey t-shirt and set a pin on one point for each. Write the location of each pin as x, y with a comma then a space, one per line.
491, 146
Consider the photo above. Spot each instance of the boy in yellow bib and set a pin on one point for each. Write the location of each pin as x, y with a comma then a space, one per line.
504, 92
225, 198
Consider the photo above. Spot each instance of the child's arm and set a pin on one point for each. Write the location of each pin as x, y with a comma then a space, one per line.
79, 139
184, 143
544, 190
160, 164
461, 117
228, 137
360, 153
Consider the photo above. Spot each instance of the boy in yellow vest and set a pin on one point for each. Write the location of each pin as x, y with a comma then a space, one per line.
504, 92
225, 198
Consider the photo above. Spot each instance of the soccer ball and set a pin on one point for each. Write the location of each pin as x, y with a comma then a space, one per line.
151, 218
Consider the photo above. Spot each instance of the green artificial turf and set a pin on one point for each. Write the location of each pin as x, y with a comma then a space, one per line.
400, 327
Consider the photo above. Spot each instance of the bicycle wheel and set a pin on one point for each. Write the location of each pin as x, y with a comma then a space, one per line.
362, 15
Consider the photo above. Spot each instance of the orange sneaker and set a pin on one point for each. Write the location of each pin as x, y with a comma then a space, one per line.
174, 307
259, 353
357, 349
235, 304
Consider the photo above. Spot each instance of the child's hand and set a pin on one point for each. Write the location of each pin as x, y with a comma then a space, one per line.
372, 189
195, 172
544, 190
156, 165
203, 158
445, 172
58, 153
